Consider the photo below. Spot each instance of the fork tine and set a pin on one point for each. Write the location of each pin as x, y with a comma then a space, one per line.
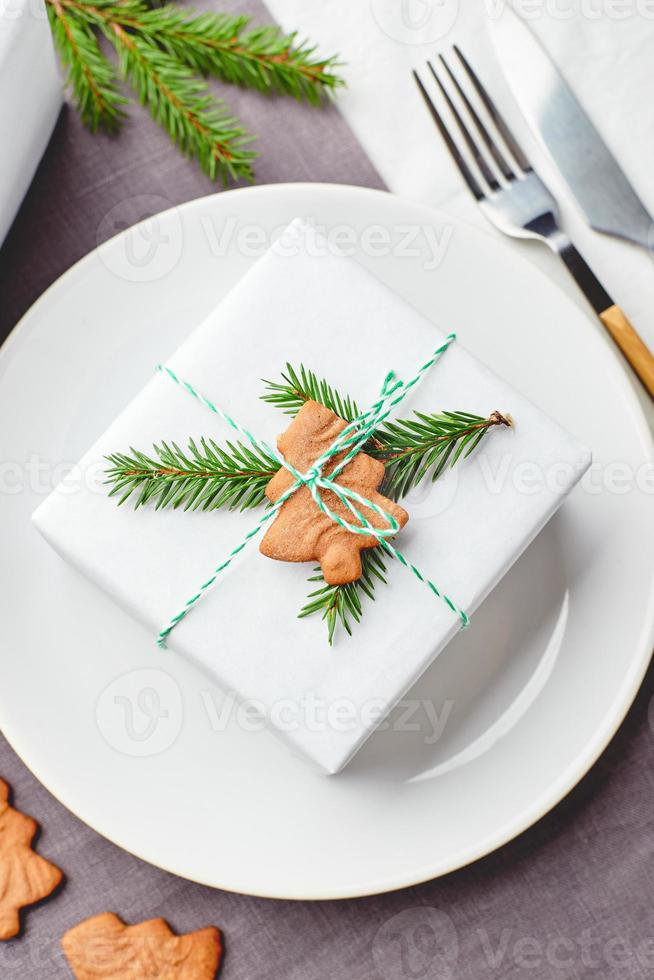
494, 113
465, 171
494, 150
486, 171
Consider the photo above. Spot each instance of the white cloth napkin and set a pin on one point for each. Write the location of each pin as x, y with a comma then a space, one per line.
603, 48
30, 99
306, 304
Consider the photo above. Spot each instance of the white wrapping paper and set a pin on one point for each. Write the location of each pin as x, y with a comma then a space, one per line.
31, 95
307, 305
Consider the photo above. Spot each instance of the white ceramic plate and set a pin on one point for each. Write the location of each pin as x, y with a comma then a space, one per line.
138, 743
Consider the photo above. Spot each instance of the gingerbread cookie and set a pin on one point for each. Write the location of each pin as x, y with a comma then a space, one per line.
300, 531
104, 948
25, 877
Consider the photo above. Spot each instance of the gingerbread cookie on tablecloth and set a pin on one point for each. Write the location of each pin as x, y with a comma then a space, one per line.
301, 532
104, 948
25, 877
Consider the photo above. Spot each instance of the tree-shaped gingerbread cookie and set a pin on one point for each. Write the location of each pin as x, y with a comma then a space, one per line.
301, 532
25, 877
104, 948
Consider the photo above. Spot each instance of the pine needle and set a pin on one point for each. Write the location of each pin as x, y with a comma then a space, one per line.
206, 477
163, 52
342, 604
410, 448
263, 58
181, 104
300, 386
425, 445
90, 74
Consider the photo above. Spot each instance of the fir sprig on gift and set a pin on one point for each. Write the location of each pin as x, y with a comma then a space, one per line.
409, 448
425, 445
302, 385
164, 52
343, 603
207, 476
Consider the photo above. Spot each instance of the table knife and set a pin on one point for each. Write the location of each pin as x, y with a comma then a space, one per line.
590, 170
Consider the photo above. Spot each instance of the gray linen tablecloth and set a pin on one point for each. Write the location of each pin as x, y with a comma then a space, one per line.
572, 898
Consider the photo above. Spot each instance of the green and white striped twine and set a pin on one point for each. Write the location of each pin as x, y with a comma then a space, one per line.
352, 438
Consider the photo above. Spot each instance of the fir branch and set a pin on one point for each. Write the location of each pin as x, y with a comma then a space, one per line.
162, 50
300, 386
206, 477
343, 603
408, 448
263, 58
178, 101
412, 448
90, 74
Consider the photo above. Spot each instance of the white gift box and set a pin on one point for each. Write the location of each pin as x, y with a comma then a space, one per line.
304, 304
30, 99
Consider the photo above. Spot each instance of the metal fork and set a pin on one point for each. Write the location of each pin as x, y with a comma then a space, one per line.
515, 199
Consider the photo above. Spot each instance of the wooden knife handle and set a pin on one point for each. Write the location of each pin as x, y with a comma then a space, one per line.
630, 343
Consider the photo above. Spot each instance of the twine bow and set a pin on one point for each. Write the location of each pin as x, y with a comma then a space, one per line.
350, 441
